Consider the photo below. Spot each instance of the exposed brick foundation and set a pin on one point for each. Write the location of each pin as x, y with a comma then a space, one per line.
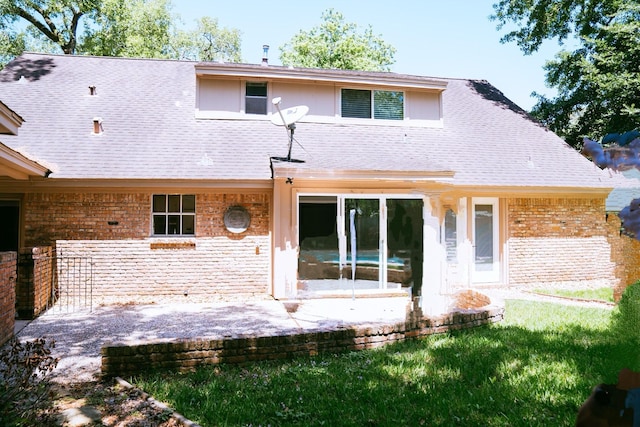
184, 355
8, 262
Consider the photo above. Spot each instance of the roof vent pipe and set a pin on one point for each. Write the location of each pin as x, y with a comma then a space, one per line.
92, 90
97, 126
265, 54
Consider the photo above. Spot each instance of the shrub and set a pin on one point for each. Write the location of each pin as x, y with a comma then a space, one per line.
625, 319
24, 386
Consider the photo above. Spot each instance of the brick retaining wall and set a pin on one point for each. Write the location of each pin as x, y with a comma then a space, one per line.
8, 262
187, 354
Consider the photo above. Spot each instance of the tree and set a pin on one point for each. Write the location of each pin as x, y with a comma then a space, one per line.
208, 42
133, 28
619, 152
598, 82
336, 44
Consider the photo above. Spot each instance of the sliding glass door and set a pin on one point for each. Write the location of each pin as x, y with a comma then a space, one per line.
359, 243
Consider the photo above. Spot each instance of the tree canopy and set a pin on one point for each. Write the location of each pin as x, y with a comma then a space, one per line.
338, 44
598, 81
132, 28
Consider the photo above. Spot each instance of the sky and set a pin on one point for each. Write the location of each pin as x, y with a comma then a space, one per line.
434, 38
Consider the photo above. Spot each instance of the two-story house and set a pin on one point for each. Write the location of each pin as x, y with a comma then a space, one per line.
175, 179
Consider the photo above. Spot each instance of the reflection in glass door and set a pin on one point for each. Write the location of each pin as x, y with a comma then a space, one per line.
485, 232
365, 243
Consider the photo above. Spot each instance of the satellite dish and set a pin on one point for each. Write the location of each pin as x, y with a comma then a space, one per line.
288, 118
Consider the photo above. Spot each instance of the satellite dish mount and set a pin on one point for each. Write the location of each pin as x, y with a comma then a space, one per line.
288, 119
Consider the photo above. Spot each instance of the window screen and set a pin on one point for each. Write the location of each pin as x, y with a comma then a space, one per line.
256, 98
356, 103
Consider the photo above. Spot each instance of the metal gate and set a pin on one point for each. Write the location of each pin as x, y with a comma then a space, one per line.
72, 284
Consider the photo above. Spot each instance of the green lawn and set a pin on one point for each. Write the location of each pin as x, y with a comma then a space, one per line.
533, 369
598, 294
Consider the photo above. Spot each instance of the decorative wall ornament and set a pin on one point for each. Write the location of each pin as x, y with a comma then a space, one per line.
237, 219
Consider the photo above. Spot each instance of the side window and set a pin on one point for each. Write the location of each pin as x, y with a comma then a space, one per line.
377, 104
256, 98
173, 214
451, 235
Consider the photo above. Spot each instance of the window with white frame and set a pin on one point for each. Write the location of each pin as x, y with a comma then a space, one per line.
174, 214
256, 98
377, 104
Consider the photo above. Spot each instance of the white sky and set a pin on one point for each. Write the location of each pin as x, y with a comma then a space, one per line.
436, 38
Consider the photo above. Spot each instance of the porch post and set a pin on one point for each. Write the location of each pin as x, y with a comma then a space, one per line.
434, 258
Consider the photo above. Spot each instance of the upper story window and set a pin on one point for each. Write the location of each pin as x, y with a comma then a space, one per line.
377, 104
256, 98
174, 214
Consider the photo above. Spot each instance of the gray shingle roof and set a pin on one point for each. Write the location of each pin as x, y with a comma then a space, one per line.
150, 131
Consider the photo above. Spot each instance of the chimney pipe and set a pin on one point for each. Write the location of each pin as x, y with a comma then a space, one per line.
97, 125
265, 54
92, 90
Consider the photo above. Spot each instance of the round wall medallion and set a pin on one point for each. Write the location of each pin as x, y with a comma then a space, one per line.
236, 219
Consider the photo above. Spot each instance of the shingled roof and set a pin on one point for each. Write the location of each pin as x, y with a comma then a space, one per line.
147, 108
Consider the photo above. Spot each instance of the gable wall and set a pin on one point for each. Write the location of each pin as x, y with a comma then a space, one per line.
558, 241
129, 265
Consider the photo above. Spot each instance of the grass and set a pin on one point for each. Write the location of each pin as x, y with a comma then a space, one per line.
533, 369
598, 294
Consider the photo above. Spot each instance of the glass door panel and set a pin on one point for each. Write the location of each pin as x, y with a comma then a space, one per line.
485, 224
362, 231
318, 240
404, 243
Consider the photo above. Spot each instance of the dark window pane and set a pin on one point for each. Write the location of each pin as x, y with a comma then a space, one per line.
159, 203
189, 203
188, 224
356, 103
257, 89
174, 224
388, 105
256, 105
256, 98
174, 203
159, 224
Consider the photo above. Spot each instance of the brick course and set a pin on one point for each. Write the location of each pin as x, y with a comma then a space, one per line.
185, 355
8, 262
559, 240
130, 266
625, 253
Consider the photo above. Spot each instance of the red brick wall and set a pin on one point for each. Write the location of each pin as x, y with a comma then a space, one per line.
35, 281
129, 265
558, 240
8, 262
625, 253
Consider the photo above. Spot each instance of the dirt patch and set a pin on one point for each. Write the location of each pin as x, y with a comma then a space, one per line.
105, 404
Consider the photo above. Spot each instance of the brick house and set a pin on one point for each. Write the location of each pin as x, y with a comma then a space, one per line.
175, 180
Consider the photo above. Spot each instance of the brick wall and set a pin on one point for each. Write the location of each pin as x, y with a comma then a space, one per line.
183, 355
130, 266
34, 284
8, 262
625, 253
558, 240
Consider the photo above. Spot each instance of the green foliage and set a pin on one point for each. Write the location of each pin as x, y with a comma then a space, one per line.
598, 82
625, 321
208, 42
533, 369
130, 28
335, 44
24, 385
601, 294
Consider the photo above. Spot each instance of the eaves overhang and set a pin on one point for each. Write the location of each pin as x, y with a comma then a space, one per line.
314, 75
288, 170
10, 121
17, 166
